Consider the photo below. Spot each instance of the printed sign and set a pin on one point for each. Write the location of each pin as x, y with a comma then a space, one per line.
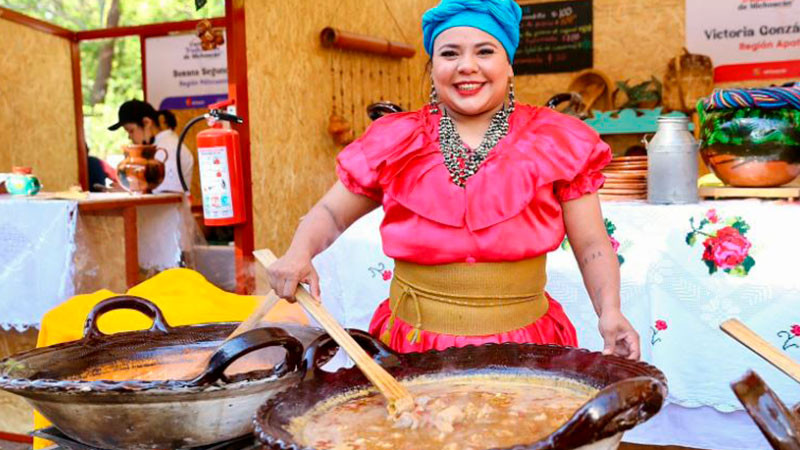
179, 74
215, 182
555, 37
746, 39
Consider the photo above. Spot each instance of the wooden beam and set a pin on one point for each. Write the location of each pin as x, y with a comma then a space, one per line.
80, 134
36, 24
131, 246
13, 437
155, 29
237, 89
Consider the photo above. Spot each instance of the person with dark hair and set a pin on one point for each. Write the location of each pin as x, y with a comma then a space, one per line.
166, 120
141, 121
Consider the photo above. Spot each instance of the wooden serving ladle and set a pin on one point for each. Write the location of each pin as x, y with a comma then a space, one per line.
762, 348
399, 400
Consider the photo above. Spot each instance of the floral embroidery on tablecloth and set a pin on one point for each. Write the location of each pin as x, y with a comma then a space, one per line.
789, 335
610, 229
725, 246
381, 270
658, 327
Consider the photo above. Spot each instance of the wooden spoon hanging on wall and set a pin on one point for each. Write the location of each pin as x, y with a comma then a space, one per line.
399, 399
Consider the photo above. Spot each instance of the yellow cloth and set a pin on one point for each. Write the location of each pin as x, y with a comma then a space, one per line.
184, 296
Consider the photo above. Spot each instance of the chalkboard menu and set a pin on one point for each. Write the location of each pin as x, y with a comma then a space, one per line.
555, 37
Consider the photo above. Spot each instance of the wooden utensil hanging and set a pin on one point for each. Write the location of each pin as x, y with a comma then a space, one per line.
399, 399
762, 348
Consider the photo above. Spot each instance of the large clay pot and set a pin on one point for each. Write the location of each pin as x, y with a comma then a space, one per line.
750, 147
140, 171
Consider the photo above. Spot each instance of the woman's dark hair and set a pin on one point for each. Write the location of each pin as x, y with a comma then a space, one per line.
169, 118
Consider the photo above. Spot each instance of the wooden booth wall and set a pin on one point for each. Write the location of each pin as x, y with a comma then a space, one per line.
295, 84
37, 118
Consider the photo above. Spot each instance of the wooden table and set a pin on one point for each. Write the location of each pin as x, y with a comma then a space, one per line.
124, 205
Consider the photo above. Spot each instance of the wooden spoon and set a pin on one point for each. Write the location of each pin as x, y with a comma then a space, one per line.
399, 399
762, 348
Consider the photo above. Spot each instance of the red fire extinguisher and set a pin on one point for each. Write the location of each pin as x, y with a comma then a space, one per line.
220, 162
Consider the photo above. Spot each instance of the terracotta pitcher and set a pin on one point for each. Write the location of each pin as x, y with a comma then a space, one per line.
140, 171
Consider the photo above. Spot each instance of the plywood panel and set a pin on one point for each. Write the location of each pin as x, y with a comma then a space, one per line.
295, 84
37, 120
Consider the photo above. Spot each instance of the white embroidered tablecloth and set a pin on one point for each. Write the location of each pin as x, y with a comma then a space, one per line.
40, 242
684, 269
37, 244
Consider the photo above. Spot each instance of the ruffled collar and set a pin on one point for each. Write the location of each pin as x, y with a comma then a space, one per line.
412, 172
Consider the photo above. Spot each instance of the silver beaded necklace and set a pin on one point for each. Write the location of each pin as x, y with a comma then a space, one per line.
460, 161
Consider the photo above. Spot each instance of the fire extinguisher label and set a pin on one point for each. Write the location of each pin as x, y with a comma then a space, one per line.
215, 182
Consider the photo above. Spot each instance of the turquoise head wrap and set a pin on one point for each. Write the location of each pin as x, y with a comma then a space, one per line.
500, 18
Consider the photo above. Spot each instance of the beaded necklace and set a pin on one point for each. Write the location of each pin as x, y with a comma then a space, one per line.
460, 161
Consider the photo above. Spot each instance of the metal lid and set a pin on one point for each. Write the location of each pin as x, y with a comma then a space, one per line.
672, 119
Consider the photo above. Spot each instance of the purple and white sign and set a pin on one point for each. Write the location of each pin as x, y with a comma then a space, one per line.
179, 74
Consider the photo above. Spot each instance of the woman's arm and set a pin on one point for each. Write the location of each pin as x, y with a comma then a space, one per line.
600, 269
336, 211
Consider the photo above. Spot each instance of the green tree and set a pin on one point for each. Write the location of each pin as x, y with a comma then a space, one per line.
111, 69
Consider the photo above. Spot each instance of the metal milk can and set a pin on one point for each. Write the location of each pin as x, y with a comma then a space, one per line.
672, 162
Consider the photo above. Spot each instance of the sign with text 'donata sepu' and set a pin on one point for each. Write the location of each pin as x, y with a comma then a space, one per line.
555, 37
179, 74
746, 39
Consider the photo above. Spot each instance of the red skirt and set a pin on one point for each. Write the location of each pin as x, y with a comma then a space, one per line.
552, 328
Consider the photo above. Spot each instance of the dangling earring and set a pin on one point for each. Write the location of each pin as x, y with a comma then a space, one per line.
511, 98
434, 99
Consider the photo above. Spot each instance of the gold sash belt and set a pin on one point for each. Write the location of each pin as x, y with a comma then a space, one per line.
468, 299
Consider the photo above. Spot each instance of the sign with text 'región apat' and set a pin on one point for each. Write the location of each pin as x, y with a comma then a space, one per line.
746, 39
555, 37
179, 74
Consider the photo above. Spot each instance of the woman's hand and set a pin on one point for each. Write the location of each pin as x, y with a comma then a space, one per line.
619, 336
290, 270
337, 209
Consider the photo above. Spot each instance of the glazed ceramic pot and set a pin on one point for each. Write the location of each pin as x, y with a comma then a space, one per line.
22, 182
752, 147
629, 392
140, 171
76, 385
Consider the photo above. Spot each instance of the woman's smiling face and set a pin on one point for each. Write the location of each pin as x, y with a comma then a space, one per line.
470, 71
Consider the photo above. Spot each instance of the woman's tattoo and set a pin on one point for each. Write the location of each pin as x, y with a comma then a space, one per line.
339, 226
591, 257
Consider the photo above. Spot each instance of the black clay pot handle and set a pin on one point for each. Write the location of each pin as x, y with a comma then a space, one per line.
616, 408
248, 342
558, 99
144, 306
324, 347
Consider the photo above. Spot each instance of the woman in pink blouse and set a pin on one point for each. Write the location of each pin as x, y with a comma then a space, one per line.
476, 190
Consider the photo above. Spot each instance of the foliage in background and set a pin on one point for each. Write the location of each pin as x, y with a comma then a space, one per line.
125, 77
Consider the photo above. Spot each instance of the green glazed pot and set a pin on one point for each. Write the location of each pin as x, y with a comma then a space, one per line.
751, 147
22, 182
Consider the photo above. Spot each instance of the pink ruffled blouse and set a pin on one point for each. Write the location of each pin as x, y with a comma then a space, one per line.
508, 211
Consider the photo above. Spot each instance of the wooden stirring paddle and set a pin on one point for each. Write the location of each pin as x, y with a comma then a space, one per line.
399, 399
762, 348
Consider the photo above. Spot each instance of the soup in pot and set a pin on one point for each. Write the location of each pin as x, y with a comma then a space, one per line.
453, 413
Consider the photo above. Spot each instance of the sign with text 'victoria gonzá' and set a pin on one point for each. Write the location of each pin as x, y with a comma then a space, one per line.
555, 37
746, 39
179, 74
